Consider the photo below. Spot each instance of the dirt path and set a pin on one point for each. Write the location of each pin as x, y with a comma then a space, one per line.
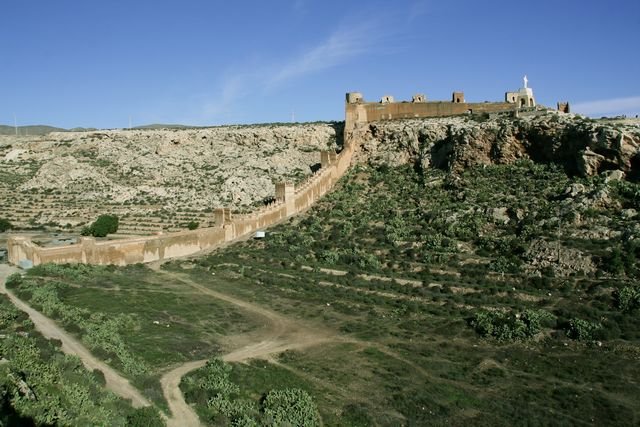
49, 329
279, 334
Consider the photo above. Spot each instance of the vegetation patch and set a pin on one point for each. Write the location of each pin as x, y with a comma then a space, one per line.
136, 321
39, 385
105, 224
222, 402
510, 326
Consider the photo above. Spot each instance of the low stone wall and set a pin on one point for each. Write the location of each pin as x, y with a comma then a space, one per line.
172, 245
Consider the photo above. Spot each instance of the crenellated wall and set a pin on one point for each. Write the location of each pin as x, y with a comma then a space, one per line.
290, 201
358, 111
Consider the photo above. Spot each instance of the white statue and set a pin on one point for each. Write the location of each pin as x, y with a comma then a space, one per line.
526, 81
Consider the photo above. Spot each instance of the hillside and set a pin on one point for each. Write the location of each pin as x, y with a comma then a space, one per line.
154, 179
505, 293
464, 272
582, 146
29, 130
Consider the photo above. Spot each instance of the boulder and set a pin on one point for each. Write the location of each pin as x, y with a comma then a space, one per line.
615, 175
588, 162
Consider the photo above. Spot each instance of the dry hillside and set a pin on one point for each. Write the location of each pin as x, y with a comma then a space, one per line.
153, 179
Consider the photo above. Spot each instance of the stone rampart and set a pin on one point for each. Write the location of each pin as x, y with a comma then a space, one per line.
172, 245
365, 112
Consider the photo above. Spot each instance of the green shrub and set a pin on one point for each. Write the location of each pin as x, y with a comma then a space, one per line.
5, 225
14, 280
510, 326
192, 225
105, 224
582, 330
145, 417
627, 298
290, 407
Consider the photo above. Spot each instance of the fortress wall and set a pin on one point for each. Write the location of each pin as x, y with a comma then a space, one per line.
370, 112
315, 189
344, 158
172, 245
120, 252
251, 223
58, 255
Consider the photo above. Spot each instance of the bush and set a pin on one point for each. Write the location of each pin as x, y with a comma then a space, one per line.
290, 407
192, 225
105, 224
582, 330
5, 225
627, 298
145, 417
14, 280
510, 326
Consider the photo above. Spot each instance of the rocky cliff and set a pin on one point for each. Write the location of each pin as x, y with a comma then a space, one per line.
583, 146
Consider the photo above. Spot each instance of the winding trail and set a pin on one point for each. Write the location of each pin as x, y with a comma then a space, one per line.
49, 329
279, 334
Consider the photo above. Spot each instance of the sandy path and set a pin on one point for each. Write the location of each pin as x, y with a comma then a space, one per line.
49, 329
279, 334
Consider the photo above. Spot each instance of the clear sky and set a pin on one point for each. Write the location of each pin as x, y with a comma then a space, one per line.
96, 63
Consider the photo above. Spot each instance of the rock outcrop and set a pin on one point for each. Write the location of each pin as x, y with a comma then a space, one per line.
583, 146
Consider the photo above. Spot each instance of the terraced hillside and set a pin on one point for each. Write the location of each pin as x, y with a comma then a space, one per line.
506, 294
154, 180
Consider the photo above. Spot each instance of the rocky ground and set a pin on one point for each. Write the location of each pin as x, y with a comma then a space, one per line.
155, 179
598, 204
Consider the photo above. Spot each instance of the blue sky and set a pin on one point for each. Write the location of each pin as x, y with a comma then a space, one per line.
96, 63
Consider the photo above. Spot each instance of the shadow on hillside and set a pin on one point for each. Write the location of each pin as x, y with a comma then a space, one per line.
339, 128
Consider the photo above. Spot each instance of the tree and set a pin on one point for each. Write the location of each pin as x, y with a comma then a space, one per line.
510, 326
5, 225
105, 224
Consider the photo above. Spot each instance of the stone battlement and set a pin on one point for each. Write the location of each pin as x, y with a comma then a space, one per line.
358, 111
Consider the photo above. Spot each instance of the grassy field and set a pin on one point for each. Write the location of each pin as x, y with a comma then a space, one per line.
504, 296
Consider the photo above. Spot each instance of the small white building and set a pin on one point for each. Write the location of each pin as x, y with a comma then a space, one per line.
523, 97
259, 235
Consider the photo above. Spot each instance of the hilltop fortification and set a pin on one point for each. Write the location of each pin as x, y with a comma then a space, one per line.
359, 112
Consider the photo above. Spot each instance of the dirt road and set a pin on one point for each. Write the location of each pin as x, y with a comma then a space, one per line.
277, 335
48, 328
